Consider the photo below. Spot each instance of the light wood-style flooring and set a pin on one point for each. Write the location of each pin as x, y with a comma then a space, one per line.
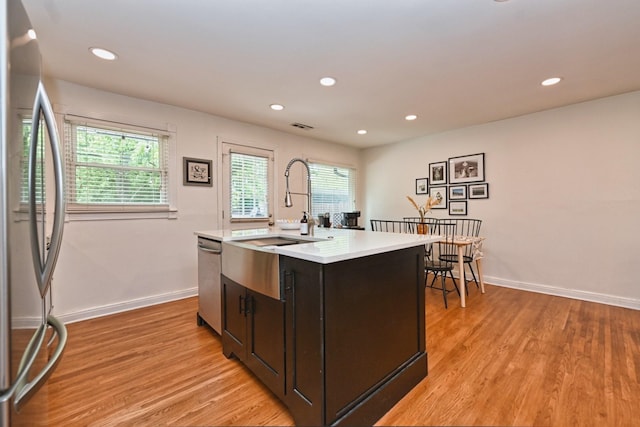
510, 358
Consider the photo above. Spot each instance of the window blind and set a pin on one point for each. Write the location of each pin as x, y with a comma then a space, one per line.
332, 188
249, 186
112, 168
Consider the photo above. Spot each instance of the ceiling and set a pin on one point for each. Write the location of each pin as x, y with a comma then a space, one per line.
453, 63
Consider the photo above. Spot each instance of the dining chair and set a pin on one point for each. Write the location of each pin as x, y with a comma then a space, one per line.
423, 221
432, 228
393, 226
439, 267
417, 218
463, 227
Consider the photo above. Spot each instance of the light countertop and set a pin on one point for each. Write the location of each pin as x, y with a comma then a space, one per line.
326, 245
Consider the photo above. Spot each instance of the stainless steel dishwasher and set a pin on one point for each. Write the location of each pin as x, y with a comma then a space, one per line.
209, 265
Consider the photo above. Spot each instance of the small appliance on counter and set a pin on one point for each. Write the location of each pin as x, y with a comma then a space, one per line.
324, 220
350, 220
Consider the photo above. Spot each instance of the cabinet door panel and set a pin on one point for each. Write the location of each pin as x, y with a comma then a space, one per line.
303, 286
391, 303
266, 340
233, 318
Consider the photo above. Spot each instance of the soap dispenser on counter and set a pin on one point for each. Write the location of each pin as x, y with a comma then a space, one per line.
304, 224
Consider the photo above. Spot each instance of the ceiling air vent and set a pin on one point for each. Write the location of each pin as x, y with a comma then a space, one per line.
301, 126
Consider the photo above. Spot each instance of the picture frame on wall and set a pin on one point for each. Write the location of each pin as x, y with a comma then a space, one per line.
479, 191
457, 192
422, 186
469, 168
439, 193
438, 173
458, 208
197, 172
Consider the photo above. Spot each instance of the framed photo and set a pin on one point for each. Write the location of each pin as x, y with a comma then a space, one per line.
422, 186
464, 169
457, 192
479, 191
438, 173
457, 208
439, 193
197, 172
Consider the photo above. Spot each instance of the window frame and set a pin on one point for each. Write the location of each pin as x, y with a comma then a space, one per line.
23, 118
353, 190
21, 209
95, 211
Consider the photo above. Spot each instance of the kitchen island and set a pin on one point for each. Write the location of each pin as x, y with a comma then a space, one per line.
342, 338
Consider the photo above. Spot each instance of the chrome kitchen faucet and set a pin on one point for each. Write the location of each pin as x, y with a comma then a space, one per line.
287, 197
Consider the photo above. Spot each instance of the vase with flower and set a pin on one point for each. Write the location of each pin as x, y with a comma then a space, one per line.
421, 227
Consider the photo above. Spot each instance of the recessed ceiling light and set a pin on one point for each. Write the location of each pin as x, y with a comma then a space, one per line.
31, 34
327, 81
277, 107
362, 132
411, 117
103, 53
551, 81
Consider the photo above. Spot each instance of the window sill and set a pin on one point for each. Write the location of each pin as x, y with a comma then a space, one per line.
23, 215
120, 215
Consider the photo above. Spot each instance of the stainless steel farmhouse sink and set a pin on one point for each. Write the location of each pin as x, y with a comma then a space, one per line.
253, 265
273, 241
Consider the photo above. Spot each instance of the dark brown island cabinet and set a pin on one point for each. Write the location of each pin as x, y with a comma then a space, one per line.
344, 343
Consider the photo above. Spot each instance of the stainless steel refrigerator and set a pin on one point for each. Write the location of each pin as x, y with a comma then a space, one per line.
31, 223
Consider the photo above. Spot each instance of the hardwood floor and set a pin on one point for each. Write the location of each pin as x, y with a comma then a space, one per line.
510, 358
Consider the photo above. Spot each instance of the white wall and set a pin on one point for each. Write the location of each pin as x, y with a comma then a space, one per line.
563, 215
111, 265
563, 208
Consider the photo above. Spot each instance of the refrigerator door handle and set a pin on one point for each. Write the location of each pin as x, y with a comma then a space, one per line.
27, 360
45, 263
26, 390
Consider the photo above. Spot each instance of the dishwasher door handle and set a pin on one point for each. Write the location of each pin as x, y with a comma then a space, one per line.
211, 251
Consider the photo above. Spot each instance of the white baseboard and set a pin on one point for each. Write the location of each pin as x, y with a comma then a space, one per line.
568, 293
106, 310
33, 322
126, 306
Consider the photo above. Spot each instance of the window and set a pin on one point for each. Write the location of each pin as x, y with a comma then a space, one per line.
249, 186
246, 184
110, 168
333, 188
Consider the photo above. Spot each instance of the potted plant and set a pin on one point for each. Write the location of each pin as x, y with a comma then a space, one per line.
421, 227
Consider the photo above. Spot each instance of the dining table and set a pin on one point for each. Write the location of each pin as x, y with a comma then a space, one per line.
461, 242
